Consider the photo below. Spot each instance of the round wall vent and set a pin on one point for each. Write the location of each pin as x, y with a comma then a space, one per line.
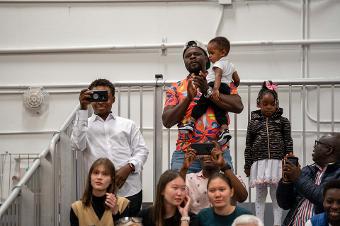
35, 99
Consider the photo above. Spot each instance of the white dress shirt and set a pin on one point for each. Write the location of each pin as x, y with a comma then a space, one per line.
117, 139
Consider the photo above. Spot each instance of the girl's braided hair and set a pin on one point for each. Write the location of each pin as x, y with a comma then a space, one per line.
268, 87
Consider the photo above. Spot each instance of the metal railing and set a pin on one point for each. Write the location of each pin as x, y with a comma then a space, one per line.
57, 177
12, 167
11, 211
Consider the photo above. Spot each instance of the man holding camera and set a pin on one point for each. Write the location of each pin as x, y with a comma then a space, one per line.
106, 135
181, 98
300, 190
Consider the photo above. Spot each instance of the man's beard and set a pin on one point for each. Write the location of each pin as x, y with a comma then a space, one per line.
196, 70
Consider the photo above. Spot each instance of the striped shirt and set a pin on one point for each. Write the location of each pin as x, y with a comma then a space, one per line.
306, 209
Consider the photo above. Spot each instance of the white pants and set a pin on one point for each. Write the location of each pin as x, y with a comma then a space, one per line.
261, 194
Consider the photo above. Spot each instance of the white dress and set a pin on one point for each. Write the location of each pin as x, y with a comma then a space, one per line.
266, 171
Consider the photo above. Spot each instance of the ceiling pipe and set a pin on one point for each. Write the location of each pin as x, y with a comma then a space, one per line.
159, 46
92, 1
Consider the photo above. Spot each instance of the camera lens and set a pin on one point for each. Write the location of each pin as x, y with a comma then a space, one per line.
95, 96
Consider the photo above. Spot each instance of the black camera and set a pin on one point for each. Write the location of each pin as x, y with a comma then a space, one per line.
99, 96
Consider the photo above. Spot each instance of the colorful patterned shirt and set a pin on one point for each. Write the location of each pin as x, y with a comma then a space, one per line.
206, 127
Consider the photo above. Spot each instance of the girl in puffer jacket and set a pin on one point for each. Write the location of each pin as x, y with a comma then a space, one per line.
268, 141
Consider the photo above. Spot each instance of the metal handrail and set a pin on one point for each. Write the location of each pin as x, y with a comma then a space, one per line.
69, 119
17, 189
306, 81
315, 120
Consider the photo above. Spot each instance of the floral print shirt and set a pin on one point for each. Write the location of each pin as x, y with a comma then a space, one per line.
206, 127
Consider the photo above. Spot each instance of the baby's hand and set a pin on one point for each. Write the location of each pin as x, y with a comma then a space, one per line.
215, 94
289, 154
236, 83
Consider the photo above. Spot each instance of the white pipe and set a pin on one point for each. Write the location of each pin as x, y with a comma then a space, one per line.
4, 133
93, 1
145, 83
303, 36
219, 20
86, 49
159, 46
309, 81
306, 47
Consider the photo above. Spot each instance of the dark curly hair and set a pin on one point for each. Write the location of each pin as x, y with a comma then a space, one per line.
222, 42
264, 90
331, 185
103, 82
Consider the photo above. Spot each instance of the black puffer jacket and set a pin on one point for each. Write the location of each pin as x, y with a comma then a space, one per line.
267, 138
291, 195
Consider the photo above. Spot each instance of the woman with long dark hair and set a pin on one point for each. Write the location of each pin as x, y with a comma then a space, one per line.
171, 205
99, 204
222, 212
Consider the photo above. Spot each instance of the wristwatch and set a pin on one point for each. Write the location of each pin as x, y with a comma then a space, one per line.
209, 92
187, 219
132, 166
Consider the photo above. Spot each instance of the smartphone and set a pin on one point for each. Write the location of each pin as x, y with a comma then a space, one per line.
294, 160
99, 96
202, 148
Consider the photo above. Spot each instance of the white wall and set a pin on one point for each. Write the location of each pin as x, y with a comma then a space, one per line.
72, 25
66, 25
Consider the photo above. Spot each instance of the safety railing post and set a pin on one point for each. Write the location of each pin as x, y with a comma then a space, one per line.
158, 129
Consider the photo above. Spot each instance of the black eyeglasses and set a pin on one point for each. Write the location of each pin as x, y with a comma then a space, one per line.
317, 142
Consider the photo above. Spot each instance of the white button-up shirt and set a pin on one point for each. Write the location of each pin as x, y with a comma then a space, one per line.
117, 139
